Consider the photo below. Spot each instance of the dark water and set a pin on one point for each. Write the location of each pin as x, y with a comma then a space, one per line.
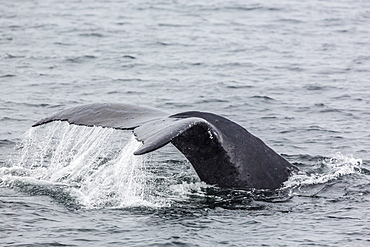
294, 73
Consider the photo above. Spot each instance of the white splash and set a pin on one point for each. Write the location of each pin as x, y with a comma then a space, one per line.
121, 182
184, 190
337, 166
89, 162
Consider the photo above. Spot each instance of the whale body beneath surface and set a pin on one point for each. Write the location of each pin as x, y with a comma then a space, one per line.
222, 152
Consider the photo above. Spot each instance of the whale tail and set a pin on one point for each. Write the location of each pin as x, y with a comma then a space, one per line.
222, 152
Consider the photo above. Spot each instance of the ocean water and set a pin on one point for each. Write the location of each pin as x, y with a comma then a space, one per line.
294, 73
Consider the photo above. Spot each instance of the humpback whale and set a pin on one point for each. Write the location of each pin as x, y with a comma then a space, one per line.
222, 152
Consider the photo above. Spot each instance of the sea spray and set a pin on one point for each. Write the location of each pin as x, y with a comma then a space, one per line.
327, 170
120, 182
95, 164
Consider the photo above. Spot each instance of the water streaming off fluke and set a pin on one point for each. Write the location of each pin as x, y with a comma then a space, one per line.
96, 165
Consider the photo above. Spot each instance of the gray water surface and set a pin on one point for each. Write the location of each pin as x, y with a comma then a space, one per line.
294, 73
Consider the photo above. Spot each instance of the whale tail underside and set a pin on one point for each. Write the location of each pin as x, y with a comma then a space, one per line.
117, 116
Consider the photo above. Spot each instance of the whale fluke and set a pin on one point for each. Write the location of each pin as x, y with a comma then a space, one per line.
117, 116
222, 152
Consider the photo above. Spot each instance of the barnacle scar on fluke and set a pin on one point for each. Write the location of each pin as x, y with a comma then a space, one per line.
222, 152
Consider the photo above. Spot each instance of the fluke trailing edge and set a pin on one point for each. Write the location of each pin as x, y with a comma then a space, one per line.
222, 152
